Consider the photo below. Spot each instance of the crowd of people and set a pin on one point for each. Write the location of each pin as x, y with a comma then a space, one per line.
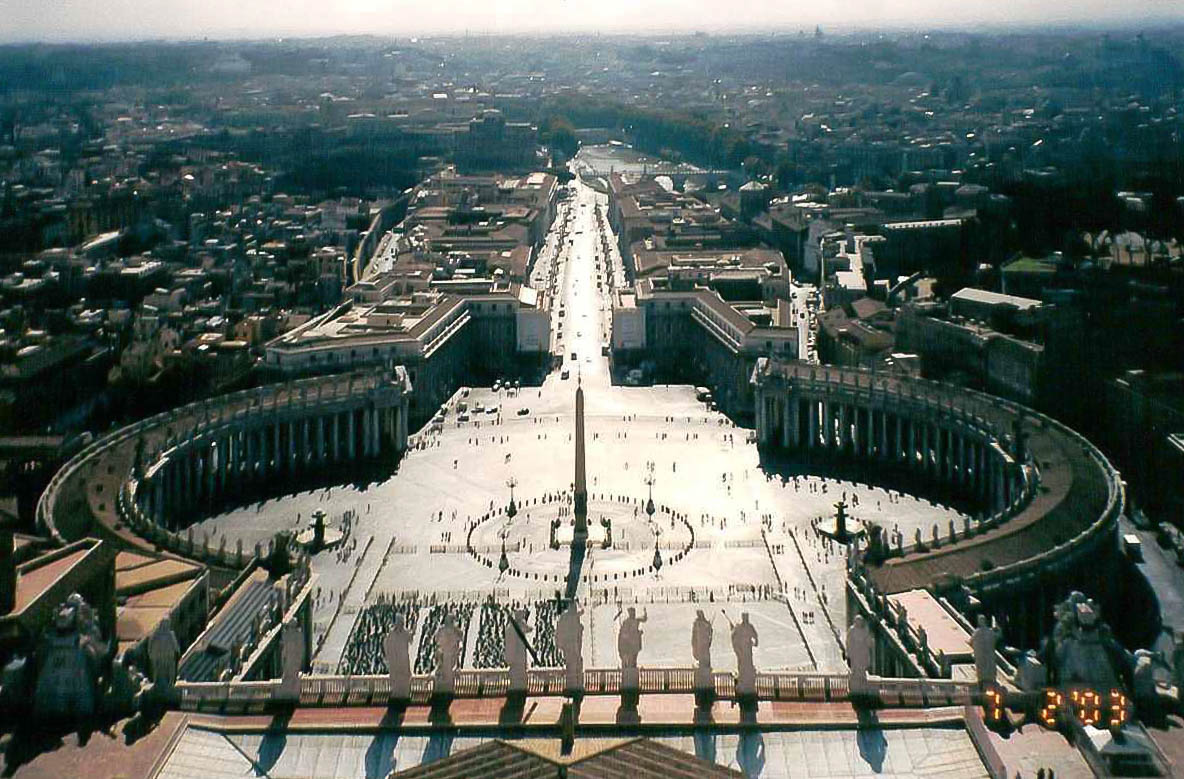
539, 629
363, 652
490, 651
460, 613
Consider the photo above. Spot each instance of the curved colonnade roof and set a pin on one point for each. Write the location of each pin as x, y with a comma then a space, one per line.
1078, 488
81, 498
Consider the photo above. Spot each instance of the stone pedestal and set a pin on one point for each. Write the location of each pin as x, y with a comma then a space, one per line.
630, 681
704, 687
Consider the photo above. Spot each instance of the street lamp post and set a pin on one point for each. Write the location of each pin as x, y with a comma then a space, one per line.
512, 509
649, 482
650, 508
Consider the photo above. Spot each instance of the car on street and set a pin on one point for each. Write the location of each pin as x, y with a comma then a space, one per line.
523, 411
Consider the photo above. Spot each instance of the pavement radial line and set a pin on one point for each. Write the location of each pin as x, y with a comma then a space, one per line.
818, 595
788, 605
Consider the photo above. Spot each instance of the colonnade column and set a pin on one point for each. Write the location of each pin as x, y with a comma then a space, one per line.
988, 486
825, 426
336, 436
939, 451
211, 470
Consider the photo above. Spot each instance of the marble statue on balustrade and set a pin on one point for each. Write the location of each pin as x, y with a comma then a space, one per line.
701, 636
397, 649
629, 647
125, 693
569, 637
1082, 649
629, 638
163, 653
744, 641
1143, 683
877, 547
1031, 674
69, 661
860, 643
15, 678
448, 651
515, 643
983, 642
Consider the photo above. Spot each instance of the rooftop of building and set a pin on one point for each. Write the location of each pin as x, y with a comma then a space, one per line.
36, 577
1047, 265
709, 299
230, 626
987, 297
649, 261
785, 739
920, 224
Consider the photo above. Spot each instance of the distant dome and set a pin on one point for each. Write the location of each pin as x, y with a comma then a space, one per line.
910, 78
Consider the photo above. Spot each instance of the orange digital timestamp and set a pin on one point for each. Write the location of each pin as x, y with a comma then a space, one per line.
1087, 705
993, 704
1119, 709
1050, 709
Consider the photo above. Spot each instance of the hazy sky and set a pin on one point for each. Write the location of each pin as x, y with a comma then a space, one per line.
23, 20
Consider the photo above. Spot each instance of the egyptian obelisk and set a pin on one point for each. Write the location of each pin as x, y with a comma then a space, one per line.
580, 531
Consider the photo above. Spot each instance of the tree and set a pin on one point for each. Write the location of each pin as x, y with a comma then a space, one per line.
558, 133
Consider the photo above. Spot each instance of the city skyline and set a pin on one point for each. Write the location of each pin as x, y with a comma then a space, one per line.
134, 20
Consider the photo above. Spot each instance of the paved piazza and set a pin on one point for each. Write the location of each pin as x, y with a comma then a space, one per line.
732, 538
